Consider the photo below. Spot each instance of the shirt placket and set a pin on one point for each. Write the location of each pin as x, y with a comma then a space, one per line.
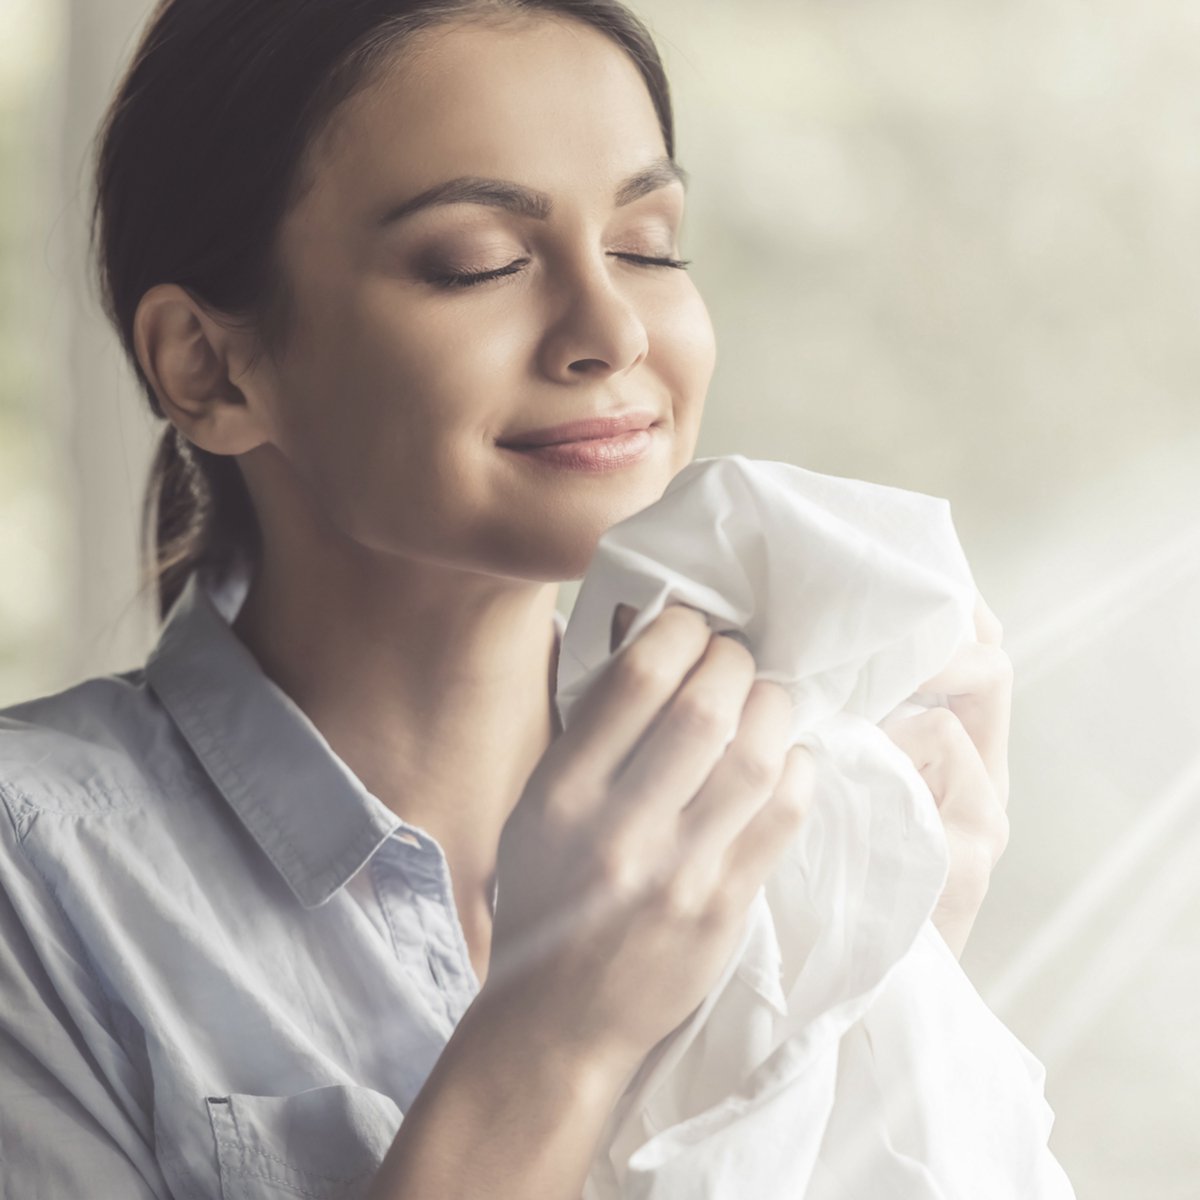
418, 899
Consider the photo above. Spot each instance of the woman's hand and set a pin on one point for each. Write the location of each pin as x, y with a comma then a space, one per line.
962, 754
627, 867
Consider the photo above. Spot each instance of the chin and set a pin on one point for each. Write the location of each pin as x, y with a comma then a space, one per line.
551, 552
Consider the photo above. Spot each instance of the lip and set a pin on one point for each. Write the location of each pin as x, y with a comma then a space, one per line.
574, 432
592, 455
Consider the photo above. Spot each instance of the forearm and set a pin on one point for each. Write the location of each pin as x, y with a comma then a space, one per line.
500, 1117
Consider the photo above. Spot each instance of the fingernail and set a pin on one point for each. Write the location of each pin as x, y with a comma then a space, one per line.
623, 616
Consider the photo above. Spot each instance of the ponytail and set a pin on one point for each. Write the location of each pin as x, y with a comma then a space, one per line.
196, 513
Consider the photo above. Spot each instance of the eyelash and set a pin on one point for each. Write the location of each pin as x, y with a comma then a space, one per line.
470, 280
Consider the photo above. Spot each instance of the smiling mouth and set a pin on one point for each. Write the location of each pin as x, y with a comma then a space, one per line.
587, 430
591, 455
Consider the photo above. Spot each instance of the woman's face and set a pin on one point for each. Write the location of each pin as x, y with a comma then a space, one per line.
400, 379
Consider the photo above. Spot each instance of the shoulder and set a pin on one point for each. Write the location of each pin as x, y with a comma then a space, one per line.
91, 749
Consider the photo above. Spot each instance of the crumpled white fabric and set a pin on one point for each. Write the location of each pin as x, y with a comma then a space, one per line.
843, 1054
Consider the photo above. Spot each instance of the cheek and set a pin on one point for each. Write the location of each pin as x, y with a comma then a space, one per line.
452, 356
468, 357
384, 418
389, 372
684, 355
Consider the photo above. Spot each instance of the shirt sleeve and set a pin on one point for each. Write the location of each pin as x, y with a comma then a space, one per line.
68, 1125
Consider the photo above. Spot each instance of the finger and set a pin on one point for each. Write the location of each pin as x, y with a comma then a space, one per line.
987, 625
753, 854
681, 748
614, 714
745, 777
947, 760
975, 667
624, 616
978, 684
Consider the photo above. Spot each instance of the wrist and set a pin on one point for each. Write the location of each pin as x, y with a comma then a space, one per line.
507, 1111
523, 1051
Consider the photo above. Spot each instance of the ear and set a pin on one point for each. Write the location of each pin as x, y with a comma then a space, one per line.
192, 361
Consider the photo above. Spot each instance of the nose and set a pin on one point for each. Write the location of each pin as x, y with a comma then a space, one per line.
595, 332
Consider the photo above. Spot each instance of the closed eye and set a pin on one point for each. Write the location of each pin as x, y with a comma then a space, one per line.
647, 260
472, 278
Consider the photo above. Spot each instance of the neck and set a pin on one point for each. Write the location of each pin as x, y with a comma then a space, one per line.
435, 687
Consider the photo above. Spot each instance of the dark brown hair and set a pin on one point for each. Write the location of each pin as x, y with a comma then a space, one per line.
203, 150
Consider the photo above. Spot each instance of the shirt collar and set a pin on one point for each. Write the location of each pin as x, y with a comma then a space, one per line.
308, 812
311, 815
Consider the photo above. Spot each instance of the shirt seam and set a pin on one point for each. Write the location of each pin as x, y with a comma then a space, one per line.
97, 980
117, 800
373, 871
450, 905
18, 832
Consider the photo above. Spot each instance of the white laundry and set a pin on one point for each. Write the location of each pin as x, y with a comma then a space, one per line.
843, 1054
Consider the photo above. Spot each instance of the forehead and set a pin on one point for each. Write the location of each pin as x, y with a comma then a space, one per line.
547, 102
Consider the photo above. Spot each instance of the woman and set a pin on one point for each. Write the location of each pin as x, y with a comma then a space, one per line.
363, 255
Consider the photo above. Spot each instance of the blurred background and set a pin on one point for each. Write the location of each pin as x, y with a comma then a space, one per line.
949, 245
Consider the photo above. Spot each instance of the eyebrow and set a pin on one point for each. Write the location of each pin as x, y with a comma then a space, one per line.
526, 202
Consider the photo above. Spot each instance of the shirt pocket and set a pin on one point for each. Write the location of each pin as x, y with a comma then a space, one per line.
326, 1142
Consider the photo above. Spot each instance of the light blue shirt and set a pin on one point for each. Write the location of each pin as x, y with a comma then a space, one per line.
226, 968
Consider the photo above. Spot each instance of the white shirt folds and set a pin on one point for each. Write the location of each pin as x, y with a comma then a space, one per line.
843, 1055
